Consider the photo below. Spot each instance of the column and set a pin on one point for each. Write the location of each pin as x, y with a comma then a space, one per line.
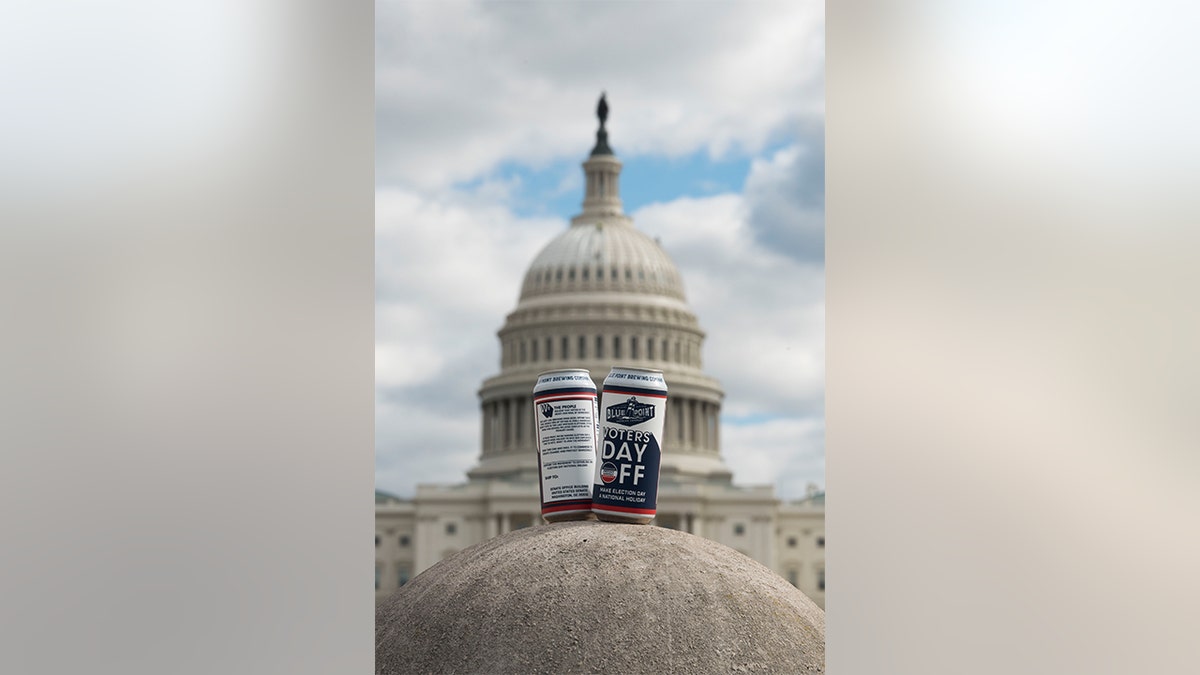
490, 422
764, 541
716, 446
510, 423
685, 432
425, 556
489, 526
487, 427
693, 427
677, 420
496, 431
519, 424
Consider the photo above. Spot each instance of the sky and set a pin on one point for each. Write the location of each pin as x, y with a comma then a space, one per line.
485, 112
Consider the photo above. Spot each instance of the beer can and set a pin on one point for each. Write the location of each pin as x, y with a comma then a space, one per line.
633, 402
567, 424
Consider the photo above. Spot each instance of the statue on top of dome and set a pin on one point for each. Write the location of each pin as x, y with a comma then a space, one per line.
601, 133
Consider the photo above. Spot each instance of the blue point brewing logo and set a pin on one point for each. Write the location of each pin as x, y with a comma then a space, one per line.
629, 413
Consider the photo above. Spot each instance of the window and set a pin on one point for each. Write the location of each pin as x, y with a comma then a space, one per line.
378, 574
628, 274
533, 344
793, 577
820, 542
549, 349
650, 349
451, 528
522, 351
821, 579
614, 272
664, 350
404, 540
563, 354
571, 274
582, 347
633, 347
558, 274
599, 346
791, 542
616, 346
586, 270
402, 574
739, 529
377, 541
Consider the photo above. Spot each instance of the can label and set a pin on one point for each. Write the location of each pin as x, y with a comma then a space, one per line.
567, 425
626, 481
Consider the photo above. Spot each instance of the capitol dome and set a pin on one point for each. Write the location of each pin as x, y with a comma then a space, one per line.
602, 256
600, 294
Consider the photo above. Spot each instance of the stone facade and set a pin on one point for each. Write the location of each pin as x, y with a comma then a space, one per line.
601, 293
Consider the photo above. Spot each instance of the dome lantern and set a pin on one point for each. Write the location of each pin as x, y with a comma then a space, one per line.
602, 171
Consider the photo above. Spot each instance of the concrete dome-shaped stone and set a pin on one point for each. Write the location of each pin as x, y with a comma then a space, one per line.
588, 597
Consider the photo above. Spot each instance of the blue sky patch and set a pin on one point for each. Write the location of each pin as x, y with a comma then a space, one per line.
557, 189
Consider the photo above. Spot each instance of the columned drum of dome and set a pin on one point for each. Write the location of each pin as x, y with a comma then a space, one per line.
602, 293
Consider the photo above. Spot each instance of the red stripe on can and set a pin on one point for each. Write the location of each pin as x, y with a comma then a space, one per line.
564, 397
623, 509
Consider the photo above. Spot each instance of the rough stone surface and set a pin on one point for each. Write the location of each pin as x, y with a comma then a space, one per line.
588, 597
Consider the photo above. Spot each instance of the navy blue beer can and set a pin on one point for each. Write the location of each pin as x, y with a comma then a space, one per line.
567, 424
633, 404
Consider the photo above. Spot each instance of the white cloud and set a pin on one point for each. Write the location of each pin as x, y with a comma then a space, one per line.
453, 252
787, 453
463, 86
764, 312
416, 444
448, 269
785, 194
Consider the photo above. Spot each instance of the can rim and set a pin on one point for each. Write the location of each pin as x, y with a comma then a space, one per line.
564, 370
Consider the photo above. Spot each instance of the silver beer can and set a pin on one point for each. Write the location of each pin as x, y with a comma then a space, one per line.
567, 425
633, 404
